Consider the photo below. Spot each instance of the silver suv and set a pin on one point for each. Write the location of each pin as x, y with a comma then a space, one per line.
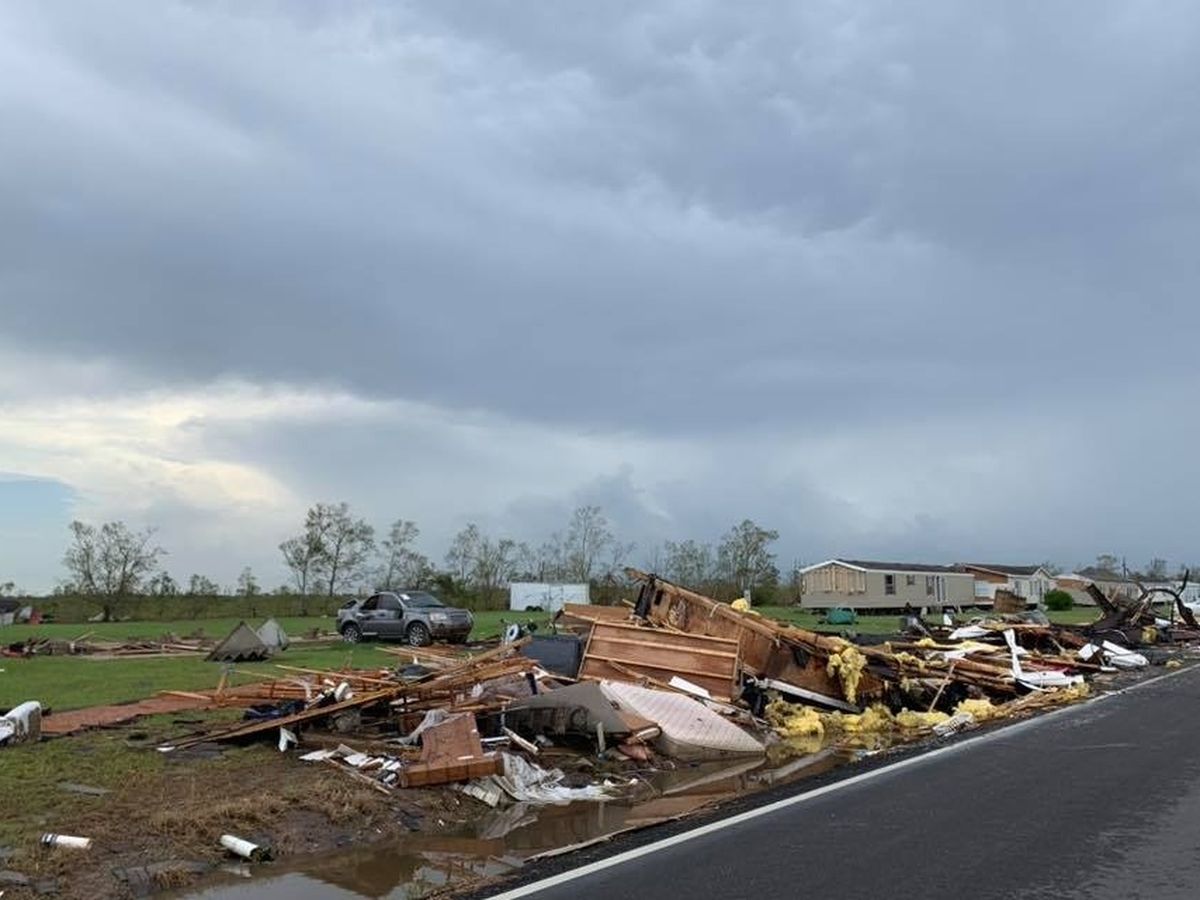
412, 616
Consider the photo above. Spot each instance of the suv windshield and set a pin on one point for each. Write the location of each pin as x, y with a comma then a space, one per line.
421, 601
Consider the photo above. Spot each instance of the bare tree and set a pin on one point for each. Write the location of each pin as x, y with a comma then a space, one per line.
1107, 562
162, 585
400, 564
111, 562
332, 550
247, 584
653, 558
348, 545
587, 541
302, 555
202, 586
689, 563
744, 557
483, 563
1156, 569
461, 555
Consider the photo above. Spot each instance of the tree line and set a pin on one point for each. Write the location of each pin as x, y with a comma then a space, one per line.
338, 553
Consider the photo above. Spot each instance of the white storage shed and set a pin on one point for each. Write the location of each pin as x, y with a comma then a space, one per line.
545, 596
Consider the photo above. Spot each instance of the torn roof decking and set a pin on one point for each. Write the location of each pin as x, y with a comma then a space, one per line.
616, 651
766, 649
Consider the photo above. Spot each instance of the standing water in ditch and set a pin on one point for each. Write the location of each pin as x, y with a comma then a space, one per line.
504, 839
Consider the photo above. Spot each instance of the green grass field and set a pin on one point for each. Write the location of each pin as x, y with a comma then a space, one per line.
70, 682
487, 624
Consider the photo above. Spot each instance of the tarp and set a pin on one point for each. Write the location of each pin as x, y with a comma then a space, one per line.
240, 645
272, 634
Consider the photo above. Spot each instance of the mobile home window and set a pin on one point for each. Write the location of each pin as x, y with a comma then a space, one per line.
910, 580
928, 585
889, 584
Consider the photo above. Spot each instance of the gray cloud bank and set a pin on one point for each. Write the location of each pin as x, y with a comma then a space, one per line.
900, 279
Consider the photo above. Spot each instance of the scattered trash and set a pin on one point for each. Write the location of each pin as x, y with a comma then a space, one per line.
287, 739
85, 789
526, 782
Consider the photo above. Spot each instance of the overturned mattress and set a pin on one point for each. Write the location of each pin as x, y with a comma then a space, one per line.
690, 730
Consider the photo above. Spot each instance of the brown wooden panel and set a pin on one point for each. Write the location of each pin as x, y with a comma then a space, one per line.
658, 653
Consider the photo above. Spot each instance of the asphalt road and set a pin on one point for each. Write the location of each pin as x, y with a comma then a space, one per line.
1097, 801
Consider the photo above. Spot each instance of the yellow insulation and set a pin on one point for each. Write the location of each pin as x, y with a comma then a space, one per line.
847, 664
907, 718
800, 727
981, 709
909, 659
794, 720
874, 720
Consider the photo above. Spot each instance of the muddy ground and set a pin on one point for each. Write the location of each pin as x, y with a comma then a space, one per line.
155, 819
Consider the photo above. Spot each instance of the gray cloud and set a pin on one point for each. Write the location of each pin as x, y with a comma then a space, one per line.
671, 222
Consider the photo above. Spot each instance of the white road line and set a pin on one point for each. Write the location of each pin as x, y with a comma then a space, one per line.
958, 747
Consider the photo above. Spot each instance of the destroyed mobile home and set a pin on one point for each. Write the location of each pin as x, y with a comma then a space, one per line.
672, 679
679, 676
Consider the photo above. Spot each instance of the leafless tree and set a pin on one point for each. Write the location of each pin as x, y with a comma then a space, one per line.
348, 543
202, 586
332, 551
400, 564
483, 563
247, 584
587, 541
689, 563
744, 558
111, 562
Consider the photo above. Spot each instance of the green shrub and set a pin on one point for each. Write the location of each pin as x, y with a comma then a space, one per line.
1058, 601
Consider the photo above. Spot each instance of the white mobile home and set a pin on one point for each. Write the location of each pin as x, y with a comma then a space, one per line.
864, 584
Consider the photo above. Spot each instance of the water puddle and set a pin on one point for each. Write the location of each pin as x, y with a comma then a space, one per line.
505, 839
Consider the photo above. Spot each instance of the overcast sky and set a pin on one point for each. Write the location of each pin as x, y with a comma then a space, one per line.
906, 280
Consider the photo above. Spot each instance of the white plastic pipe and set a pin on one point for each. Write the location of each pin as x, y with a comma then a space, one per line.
243, 848
66, 840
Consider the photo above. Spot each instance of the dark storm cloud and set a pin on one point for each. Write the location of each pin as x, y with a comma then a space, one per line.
574, 214
894, 278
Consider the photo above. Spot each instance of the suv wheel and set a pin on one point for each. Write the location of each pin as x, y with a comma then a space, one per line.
418, 634
351, 633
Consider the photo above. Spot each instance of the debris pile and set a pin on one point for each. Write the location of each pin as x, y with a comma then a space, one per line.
674, 676
671, 679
